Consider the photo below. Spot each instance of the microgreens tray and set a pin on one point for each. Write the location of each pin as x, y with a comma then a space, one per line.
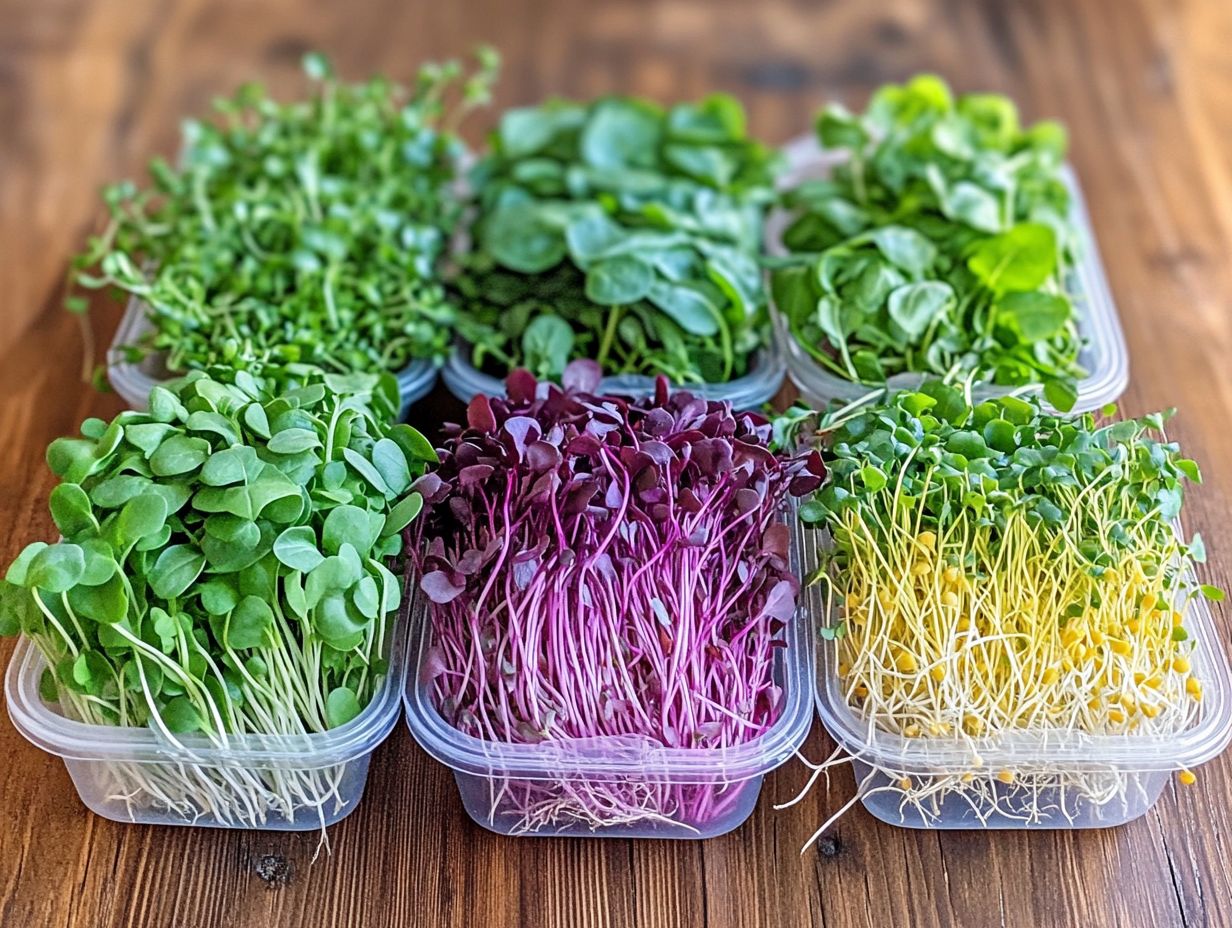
1135, 765
1104, 355
104, 760
487, 772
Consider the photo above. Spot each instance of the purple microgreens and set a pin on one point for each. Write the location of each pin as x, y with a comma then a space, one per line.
600, 567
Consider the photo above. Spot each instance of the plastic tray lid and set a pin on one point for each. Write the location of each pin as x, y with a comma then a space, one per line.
1207, 733
758, 386
636, 757
134, 381
44, 726
1104, 355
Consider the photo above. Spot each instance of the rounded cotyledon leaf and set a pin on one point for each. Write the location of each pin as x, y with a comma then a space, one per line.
296, 547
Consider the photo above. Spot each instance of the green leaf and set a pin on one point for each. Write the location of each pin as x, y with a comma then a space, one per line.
341, 705
547, 345
248, 624
294, 441
619, 134
70, 509
402, 513
297, 548
914, 306
619, 280
1213, 593
348, 525
141, 516
180, 716
1035, 314
55, 568
686, 307
1021, 259
179, 454
175, 570
905, 248
1062, 394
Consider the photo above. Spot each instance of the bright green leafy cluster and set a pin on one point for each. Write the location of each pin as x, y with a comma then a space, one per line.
622, 232
304, 232
930, 457
222, 560
942, 244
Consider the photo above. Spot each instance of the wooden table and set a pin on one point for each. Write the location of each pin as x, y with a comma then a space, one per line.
89, 90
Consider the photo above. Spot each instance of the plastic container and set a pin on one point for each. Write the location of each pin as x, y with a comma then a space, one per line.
134, 381
1104, 355
684, 792
1061, 779
758, 386
268, 783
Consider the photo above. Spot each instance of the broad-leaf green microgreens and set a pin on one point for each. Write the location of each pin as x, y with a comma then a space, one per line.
301, 232
222, 562
622, 232
941, 245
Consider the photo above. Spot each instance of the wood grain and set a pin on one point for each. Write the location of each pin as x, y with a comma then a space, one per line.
89, 90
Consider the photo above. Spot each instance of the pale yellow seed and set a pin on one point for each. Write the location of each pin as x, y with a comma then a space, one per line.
1006, 776
1149, 601
1180, 664
1187, 777
904, 783
937, 673
1177, 618
1121, 647
1051, 675
927, 539
1116, 716
950, 574
949, 599
905, 661
1193, 687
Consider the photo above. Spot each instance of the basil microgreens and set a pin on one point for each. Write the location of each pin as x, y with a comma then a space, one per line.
941, 245
307, 231
222, 563
621, 232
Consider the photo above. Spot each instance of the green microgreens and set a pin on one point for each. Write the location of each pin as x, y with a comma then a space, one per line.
621, 232
222, 565
299, 232
942, 245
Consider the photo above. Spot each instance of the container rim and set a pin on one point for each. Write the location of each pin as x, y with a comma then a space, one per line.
759, 385
1104, 356
73, 740
612, 756
1135, 753
134, 384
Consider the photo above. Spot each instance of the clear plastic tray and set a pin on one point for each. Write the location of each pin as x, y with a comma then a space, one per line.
689, 793
1104, 356
134, 381
755, 388
262, 782
1129, 769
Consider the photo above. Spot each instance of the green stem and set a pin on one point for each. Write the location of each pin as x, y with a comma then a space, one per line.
609, 334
